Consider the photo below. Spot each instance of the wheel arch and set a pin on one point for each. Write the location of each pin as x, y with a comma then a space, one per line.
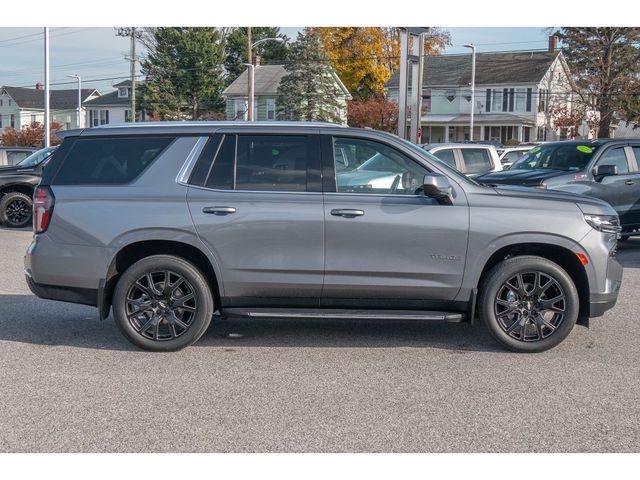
25, 188
558, 254
132, 252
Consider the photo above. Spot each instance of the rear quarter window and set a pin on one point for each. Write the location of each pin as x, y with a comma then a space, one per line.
109, 160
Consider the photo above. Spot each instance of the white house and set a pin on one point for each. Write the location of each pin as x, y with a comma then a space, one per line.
21, 106
515, 95
112, 107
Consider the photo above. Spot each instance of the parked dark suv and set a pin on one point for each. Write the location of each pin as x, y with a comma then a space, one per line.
17, 183
605, 169
166, 223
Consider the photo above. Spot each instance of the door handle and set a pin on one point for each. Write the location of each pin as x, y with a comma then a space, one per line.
629, 182
347, 212
219, 210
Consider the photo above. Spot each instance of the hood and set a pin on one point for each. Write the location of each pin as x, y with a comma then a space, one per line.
586, 204
520, 177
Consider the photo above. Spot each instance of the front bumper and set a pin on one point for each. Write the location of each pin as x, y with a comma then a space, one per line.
600, 302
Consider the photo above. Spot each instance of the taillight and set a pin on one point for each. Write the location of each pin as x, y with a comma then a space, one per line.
43, 201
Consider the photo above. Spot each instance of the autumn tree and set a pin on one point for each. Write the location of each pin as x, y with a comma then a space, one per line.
31, 135
376, 112
605, 62
183, 71
366, 57
308, 91
272, 52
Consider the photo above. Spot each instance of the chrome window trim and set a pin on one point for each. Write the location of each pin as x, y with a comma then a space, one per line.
187, 167
288, 192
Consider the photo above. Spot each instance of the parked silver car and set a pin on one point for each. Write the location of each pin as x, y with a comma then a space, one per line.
166, 223
472, 159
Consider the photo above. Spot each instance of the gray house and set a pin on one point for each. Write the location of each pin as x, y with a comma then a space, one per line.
113, 107
515, 96
266, 81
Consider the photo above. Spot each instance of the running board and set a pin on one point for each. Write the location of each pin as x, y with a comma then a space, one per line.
452, 317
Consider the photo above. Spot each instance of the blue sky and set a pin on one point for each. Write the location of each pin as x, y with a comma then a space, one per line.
97, 53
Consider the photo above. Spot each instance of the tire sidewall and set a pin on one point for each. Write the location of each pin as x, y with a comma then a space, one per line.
192, 274
7, 198
507, 269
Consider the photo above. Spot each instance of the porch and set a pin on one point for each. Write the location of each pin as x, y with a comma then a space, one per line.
495, 129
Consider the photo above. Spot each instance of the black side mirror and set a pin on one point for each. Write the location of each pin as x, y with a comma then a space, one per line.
437, 186
602, 171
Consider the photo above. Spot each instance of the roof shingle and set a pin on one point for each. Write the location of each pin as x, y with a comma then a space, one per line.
59, 99
455, 70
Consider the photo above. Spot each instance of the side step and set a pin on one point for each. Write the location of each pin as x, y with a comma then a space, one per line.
453, 317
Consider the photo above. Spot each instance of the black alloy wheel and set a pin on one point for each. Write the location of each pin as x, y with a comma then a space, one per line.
530, 306
161, 305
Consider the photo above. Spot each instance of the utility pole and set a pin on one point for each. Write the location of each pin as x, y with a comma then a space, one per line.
250, 74
47, 120
473, 87
133, 75
132, 33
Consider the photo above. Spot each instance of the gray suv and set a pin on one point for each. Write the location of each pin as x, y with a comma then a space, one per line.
167, 223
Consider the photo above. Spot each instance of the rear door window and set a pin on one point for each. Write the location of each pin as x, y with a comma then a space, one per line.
476, 160
273, 162
109, 160
447, 157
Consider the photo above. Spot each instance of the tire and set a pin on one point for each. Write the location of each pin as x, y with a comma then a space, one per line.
515, 317
16, 210
162, 319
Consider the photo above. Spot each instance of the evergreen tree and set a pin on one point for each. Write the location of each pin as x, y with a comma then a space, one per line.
308, 91
269, 52
183, 71
605, 62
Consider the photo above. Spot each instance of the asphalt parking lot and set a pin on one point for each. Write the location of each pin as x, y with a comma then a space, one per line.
70, 383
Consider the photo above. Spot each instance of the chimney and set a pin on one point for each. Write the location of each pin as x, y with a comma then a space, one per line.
256, 61
553, 43
38, 86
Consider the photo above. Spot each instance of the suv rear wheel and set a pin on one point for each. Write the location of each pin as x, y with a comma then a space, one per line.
163, 303
15, 209
528, 303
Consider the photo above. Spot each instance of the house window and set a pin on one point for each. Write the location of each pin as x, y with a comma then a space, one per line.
33, 118
9, 102
123, 92
67, 126
488, 101
13, 120
271, 108
505, 99
240, 109
520, 99
0, 122
497, 100
512, 92
426, 100
127, 115
1, 102
529, 95
542, 100
98, 117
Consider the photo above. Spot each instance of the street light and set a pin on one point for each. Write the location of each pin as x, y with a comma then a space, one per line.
473, 86
77, 77
251, 71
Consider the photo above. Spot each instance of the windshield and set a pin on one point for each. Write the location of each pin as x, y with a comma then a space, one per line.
559, 156
36, 158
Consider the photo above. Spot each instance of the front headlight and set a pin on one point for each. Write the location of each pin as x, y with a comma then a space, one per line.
604, 223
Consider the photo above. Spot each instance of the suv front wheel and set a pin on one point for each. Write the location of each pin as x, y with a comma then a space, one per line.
528, 303
162, 303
